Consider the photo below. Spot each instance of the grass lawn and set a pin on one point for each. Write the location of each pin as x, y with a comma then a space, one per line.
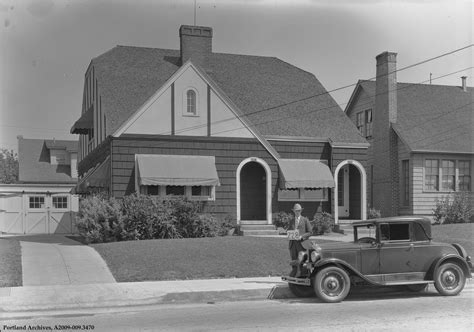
203, 258
10, 263
455, 233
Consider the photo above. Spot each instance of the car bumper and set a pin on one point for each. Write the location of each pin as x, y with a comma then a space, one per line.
297, 281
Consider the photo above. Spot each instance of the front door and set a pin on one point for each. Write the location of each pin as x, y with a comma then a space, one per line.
343, 191
253, 192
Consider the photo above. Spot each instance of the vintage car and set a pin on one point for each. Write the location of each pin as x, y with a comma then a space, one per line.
386, 252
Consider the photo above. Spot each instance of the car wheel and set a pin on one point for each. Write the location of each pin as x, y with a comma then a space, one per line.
449, 279
301, 291
332, 284
416, 287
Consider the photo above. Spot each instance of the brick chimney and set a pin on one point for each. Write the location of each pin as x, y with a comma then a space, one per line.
385, 143
195, 44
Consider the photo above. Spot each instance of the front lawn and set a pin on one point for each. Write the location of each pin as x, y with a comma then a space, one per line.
10, 263
203, 258
455, 233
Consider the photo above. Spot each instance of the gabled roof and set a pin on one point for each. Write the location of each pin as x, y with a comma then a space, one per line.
436, 118
276, 97
34, 161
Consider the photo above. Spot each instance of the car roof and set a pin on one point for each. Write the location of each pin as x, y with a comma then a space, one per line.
422, 220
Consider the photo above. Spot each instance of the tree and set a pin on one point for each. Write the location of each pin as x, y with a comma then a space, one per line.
8, 166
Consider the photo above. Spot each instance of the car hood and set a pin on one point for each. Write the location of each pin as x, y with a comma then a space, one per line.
332, 246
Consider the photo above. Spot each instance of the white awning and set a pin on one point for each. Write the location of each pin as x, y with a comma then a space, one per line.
177, 170
304, 173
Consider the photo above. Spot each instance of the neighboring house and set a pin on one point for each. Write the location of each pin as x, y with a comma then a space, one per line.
41, 203
245, 135
421, 137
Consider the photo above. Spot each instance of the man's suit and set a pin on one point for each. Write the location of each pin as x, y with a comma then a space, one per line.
304, 228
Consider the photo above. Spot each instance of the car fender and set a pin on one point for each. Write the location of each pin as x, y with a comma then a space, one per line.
452, 258
342, 264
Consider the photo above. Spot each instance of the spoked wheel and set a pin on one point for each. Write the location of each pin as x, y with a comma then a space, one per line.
301, 291
332, 284
449, 279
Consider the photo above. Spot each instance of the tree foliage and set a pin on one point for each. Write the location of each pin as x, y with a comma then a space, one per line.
8, 166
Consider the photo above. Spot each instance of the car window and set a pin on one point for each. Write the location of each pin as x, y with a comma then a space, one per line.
395, 232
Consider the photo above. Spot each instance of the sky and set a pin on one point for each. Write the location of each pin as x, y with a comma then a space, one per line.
47, 45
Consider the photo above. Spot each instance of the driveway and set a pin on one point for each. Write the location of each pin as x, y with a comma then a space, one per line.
59, 260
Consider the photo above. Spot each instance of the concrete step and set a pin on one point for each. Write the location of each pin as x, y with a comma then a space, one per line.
253, 222
257, 227
259, 232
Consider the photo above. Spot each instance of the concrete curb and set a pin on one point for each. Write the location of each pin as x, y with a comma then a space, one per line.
63, 297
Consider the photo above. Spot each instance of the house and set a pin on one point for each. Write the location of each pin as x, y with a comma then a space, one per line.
41, 202
245, 135
421, 140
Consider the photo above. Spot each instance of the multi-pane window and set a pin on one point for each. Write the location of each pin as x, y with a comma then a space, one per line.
449, 175
368, 120
360, 122
36, 202
340, 188
431, 174
191, 192
191, 102
464, 175
405, 183
303, 194
60, 202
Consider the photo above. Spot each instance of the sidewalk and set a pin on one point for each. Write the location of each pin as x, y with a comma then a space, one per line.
15, 300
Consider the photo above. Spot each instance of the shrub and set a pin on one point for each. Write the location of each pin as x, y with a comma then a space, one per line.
373, 213
282, 219
454, 209
227, 225
100, 219
322, 222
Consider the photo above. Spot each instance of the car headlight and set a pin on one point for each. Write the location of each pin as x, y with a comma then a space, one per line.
314, 256
302, 256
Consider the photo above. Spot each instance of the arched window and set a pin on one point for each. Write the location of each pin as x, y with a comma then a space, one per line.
191, 102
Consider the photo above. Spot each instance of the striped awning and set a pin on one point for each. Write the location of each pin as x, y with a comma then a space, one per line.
177, 170
85, 122
304, 173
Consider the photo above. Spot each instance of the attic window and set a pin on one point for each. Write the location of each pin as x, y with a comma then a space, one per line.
190, 102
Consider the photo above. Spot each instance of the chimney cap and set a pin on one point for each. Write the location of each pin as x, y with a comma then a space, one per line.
386, 57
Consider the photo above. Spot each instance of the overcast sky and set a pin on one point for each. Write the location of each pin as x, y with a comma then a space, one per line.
46, 45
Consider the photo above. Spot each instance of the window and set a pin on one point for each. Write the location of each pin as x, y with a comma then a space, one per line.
197, 193
449, 173
368, 120
431, 174
405, 183
340, 188
60, 202
464, 175
395, 232
360, 122
303, 194
175, 190
36, 202
191, 102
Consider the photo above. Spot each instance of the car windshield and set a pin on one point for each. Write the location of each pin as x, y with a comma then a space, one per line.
364, 231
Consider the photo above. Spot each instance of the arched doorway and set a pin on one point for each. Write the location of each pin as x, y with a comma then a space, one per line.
253, 191
350, 192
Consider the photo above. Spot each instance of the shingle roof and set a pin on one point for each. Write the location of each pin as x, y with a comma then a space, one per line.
128, 76
34, 161
433, 117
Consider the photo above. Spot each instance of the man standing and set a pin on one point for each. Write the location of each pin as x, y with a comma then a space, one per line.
304, 228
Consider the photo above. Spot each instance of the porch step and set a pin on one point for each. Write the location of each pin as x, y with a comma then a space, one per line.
254, 229
253, 222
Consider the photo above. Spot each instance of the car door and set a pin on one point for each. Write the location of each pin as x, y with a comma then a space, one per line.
397, 251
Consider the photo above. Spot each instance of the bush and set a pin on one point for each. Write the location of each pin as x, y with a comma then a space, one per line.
100, 219
373, 214
142, 217
454, 209
322, 223
282, 219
